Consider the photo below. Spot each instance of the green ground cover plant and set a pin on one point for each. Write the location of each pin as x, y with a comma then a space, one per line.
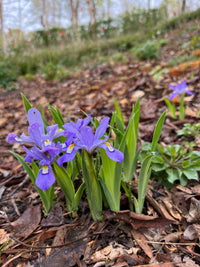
7, 72
149, 50
180, 59
172, 163
190, 134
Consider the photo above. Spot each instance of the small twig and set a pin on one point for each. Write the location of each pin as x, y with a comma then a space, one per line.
15, 206
57, 246
45, 247
76, 258
170, 243
12, 259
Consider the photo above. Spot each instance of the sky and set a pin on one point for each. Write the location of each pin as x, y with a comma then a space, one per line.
32, 21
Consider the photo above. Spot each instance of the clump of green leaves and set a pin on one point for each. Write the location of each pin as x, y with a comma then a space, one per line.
172, 163
119, 57
55, 72
7, 73
149, 50
180, 59
195, 42
158, 72
128, 140
190, 134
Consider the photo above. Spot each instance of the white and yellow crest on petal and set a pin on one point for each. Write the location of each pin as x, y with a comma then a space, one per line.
110, 148
70, 148
47, 142
45, 169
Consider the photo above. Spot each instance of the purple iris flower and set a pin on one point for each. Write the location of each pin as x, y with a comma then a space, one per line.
74, 128
44, 148
179, 89
88, 141
36, 133
45, 176
45, 152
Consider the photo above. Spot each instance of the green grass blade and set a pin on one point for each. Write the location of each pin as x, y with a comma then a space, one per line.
93, 189
118, 110
56, 117
112, 177
172, 108
143, 181
182, 108
108, 195
78, 196
60, 115
27, 104
157, 131
64, 182
131, 142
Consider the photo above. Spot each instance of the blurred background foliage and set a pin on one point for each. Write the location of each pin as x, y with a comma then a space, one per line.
56, 52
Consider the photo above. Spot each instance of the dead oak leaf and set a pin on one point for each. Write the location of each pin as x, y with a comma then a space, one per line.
194, 212
28, 222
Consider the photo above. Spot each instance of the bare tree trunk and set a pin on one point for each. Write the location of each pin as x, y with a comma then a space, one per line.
20, 21
93, 12
74, 17
44, 16
53, 13
126, 5
108, 9
183, 6
3, 37
76, 13
149, 4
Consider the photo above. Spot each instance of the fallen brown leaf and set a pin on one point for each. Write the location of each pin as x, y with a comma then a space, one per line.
140, 239
27, 222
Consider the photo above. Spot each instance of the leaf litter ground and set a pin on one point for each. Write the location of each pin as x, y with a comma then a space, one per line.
166, 234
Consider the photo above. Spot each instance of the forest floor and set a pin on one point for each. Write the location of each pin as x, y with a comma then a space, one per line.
166, 234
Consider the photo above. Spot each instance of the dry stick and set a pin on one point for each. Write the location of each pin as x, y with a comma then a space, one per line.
12, 259
45, 247
57, 246
98, 233
170, 243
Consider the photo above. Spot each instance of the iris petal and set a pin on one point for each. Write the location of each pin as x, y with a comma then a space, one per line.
174, 94
11, 138
101, 129
35, 116
45, 178
115, 154
179, 89
34, 133
51, 131
188, 92
86, 138
87, 120
67, 157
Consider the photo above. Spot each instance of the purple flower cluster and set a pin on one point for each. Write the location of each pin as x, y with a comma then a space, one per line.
83, 138
45, 149
179, 89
